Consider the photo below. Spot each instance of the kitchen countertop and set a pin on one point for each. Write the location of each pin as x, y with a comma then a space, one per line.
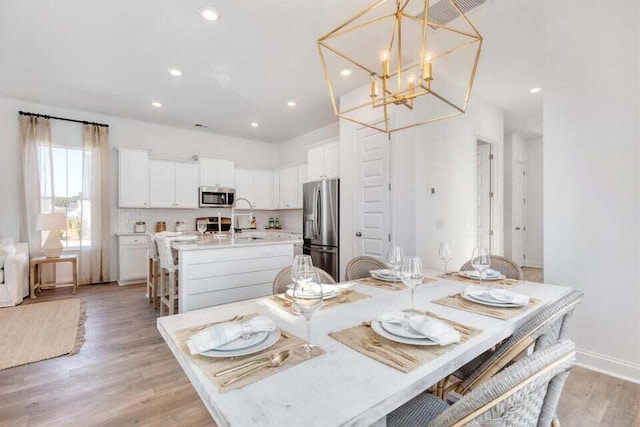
246, 231
211, 243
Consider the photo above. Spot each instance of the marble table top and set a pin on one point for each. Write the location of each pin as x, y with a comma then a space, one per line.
342, 387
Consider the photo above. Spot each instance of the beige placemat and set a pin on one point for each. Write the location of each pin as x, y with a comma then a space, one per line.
397, 286
456, 301
209, 366
504, 283
390, 352
286, 303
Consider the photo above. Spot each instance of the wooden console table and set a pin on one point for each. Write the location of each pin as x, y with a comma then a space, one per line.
35, 267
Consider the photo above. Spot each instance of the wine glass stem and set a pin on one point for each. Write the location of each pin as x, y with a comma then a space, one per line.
308, 334
445, 268
413, 290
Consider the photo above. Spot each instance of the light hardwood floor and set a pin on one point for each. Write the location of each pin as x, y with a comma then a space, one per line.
125, 375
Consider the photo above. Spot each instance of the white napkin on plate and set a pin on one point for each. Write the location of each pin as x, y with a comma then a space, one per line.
497, 295
488, 273
216, 336
434, 329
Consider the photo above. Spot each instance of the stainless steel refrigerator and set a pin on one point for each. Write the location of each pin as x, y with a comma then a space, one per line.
321, 224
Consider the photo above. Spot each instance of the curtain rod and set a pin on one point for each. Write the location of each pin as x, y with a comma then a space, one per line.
22, 113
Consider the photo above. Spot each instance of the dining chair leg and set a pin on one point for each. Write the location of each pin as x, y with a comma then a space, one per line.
150, 280
156, 284
161, 292
172, 292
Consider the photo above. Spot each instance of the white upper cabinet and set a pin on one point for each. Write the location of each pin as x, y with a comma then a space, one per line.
217, 173
323, 162
133, 177
255, 186
288, 188
302, 178
186, 185
173, 184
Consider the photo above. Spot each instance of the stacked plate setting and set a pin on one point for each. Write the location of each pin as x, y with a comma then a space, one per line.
328, 292
242, 346
400, 333
486, 298
385, 275
489, 275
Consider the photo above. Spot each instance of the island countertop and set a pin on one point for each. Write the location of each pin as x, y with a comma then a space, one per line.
211, 243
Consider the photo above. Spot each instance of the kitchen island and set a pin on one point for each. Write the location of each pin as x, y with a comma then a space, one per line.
220, 271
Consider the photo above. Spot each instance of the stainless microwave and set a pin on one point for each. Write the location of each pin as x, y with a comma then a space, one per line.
216, 197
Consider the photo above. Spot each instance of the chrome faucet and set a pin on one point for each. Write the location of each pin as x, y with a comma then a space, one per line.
233, 215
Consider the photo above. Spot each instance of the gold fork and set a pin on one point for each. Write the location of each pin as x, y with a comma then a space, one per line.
208, 325
372, 348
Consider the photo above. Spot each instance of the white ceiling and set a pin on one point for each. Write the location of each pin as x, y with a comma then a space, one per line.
112, 56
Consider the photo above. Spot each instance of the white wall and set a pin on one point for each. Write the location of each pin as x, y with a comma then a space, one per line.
294, 151
534, 244
164, 141
591, 174
515, 151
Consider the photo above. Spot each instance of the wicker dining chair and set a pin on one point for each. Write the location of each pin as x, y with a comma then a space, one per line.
360, 266
504, 265
283, 279
546, 328
525, 394
168, 275
153, 274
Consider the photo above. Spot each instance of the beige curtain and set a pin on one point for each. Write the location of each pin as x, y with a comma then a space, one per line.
93, 262
36, 160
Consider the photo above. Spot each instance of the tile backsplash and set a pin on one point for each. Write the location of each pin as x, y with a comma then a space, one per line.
290, 220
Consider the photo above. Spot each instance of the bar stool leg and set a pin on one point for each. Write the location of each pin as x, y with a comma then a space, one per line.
161, 291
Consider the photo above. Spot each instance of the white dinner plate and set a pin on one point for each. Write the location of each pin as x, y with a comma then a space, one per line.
386, 278
272, 338
401, 331
186, 239
490, 303
328, 292
378, 329
240, 343
474, 275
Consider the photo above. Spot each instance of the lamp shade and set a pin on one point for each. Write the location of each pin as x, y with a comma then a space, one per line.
51, 221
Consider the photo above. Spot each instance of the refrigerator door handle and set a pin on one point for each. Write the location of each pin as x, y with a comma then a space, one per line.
315, 213
326, 251
319, 210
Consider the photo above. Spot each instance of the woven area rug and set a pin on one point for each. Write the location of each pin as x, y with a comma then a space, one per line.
34, 332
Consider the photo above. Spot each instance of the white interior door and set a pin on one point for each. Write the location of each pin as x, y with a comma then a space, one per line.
519, 223
372, 212
483, 181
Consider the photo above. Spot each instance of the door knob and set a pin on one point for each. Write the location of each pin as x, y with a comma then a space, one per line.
358, 234
517, 228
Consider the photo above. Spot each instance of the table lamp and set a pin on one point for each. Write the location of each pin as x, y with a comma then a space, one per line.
51, 222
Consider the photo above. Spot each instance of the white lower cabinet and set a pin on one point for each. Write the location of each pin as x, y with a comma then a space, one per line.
132, 257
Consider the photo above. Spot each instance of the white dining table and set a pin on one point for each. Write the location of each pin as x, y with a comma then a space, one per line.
342, 387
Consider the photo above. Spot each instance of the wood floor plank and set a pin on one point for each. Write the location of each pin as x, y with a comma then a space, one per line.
125, 375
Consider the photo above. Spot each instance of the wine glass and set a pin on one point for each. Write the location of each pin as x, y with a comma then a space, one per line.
307, 299
412, 275
202, 227
480, 260
446, 254
301, 264
394, 259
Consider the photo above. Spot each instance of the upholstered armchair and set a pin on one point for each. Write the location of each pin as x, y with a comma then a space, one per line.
14, 277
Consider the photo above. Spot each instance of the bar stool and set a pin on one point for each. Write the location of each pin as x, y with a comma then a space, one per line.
168, 270
153, 275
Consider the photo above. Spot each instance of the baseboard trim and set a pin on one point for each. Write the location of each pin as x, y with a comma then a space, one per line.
534, 264
609, 365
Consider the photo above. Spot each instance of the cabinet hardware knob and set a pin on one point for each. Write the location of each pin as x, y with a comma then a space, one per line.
358, 234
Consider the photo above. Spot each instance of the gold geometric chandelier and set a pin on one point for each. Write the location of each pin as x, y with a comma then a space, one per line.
405, 60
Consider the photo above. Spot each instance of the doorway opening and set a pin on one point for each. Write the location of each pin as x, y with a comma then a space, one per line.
484, 195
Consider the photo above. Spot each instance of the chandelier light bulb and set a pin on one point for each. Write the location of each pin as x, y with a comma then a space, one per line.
428, 59
411, 78
384, 55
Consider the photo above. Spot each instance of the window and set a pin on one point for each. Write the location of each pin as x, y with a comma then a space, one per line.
61, 170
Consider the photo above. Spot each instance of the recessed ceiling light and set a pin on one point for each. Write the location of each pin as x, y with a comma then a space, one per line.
292, 103
210, 14
254, 124
156, 104
535, 90
345, 73
175, 72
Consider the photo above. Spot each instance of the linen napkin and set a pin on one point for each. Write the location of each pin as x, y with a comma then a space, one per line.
224, 333
434, 329
497, 295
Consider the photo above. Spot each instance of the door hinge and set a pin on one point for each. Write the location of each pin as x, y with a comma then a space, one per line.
389, 186
491, 194
389, 236
490, 156
524, 228
490, 232
524, 173
524, 256
524, 200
